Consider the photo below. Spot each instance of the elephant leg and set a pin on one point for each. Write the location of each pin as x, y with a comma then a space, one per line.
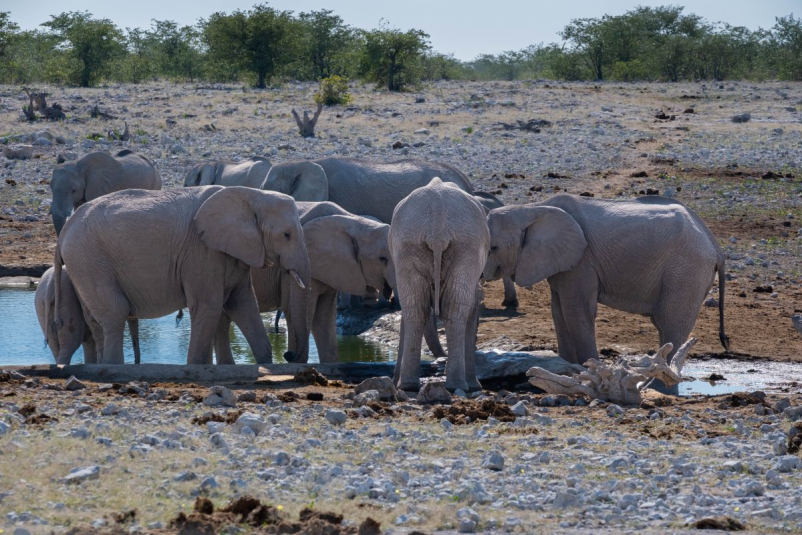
244, 311
133, 330
205, 309
470, 344
417, 295
565, 347
400, 357
510, 294
433, 339
357, 302
112, 320
222, 341
89, 347
324, 326
578, 293
96, 335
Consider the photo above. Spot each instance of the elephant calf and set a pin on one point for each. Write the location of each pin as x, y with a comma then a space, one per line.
74, 332
76, 182
148, 253
439, 243
651, 256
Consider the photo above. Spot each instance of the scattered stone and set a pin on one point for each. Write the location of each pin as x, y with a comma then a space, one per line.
384, 386
251, 421
434, 392
79, 475
18, 152
220, 396
310, 376
336, 416
493, 461
74, 384
742, 118
722, 523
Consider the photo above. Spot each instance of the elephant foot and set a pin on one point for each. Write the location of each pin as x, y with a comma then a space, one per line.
457, 385
510, 304
294, 358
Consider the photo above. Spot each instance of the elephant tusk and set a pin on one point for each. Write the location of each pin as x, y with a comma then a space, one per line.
297, 278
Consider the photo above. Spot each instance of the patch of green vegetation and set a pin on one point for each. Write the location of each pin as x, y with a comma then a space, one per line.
140, 132
469, 130
94, 137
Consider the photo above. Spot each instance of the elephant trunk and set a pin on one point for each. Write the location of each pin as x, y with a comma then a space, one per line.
59, 218
300, 284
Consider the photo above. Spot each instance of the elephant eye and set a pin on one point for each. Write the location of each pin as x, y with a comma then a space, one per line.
493, 248
383, 260
287, 235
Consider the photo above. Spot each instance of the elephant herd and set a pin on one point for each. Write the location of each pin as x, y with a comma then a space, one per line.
248, 237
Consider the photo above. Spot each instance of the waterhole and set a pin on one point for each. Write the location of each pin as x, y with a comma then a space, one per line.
161, 340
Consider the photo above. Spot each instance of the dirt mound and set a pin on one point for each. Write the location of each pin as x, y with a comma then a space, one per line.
467, 411
310, 376
265, 519
723, 523
228, 417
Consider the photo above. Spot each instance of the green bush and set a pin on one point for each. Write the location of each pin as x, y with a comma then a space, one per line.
333, 91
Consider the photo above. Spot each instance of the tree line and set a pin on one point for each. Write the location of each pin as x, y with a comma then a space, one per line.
264, 46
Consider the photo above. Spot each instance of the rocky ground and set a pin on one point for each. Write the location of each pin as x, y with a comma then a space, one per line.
80, 456
75, 459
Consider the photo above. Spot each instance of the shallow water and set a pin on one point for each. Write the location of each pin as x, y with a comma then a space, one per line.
161, 341
741, 376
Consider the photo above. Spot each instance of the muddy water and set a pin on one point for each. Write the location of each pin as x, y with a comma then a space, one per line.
22, 341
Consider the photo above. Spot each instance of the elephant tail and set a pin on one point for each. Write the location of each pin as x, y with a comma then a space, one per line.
278, 317
437, 252
56, 325
725, 340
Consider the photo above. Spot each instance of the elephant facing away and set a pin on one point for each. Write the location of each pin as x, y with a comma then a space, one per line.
146, 254
370, 189
439, 242
651, 256
74, 331
250, 173
76, 182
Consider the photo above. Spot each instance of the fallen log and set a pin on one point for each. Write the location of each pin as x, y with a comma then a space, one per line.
306, 126
622, 382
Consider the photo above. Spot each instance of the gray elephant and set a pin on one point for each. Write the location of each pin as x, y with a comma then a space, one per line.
439, 242
491, 202
250, 173
346, 253
361, 187
146, 254
74, 331
651, 256
75, 182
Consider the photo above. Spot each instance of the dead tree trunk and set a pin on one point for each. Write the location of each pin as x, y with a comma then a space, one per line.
307, 125
125, 136
28, 110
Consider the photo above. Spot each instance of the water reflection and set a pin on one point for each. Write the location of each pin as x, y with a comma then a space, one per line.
22, 341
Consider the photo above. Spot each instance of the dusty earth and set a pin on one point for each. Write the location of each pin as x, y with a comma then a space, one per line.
671, 465
609, 140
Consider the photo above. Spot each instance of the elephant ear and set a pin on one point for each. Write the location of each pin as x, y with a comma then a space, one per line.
552, 242
227, 221
103, 174
333, 247
193, 176
308, 182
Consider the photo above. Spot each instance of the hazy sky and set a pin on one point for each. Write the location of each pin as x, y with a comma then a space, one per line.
464, 28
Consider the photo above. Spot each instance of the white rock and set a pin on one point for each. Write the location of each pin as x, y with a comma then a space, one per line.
786, 463
434, 392
519, 409
110, 409
383, 385
220, 396
493, 461
249, 419
74, 384
79, 475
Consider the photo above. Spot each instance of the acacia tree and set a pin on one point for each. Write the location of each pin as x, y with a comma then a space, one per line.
786, 44
92, 44
259, 41
393, 58
326, 39
177, 49
587, 36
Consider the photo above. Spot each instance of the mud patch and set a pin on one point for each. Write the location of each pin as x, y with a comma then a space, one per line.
723, 523
228, 417
466, 411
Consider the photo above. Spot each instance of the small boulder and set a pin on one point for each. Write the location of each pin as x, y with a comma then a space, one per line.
335, 416
249, 419
434, 392
383, 385
18, 152
742, 118
79, 475
365, 398
494, 461
220, 396
74, 384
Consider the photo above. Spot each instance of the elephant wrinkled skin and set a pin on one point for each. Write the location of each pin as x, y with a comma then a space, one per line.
439, 242
76, 182
146, 254
651, 256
